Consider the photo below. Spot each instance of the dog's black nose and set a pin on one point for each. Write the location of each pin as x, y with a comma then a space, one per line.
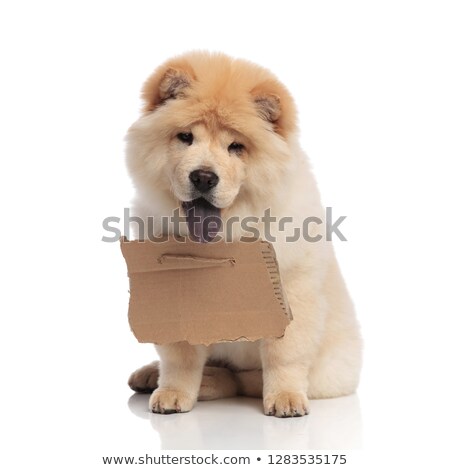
203, 180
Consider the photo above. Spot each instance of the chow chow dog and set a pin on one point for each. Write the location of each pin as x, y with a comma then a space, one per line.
219, 135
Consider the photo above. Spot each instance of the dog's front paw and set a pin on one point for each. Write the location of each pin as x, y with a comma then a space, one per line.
167, 401
286, 404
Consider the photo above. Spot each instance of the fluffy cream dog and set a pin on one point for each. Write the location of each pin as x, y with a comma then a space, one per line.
219, 135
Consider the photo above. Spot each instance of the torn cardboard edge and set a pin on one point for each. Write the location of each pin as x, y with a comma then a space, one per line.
204, 293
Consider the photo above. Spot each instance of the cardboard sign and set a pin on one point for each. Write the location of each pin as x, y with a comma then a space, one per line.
204, 293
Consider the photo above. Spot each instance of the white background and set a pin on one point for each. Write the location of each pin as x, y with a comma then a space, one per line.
371, 80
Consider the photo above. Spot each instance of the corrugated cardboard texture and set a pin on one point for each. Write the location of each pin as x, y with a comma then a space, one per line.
204, 293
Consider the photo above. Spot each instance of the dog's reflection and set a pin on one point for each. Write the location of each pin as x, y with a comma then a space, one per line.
238, 423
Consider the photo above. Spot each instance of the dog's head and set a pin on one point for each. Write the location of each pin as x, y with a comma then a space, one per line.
213, 133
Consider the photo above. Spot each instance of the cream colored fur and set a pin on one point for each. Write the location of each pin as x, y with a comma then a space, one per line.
221, 100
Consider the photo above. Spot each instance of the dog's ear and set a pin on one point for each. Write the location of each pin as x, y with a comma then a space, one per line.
168, 82
173, 83
274, 104
268, 106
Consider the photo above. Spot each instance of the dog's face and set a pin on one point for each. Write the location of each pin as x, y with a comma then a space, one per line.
213, 135
207, 164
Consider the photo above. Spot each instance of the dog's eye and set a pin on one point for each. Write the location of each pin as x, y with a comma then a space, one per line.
185, 137
235, 147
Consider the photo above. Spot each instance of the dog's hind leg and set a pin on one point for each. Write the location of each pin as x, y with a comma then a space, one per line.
217, 382
250, 383
220, 382
145, 379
